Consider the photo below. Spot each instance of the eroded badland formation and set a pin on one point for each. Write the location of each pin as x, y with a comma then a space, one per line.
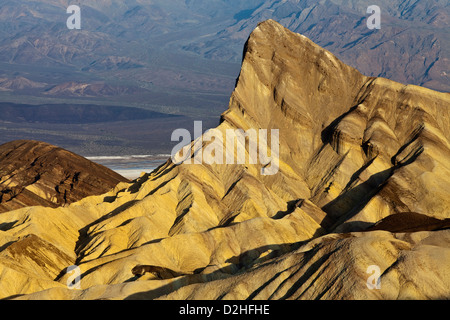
363, 181
34, 173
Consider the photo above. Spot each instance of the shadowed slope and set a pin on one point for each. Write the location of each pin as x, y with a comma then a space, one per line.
36, 173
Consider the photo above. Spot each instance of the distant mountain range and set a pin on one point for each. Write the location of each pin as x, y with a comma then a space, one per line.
412, 46
140, 36
183, 56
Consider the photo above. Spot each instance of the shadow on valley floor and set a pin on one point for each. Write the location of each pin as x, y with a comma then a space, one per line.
408, 222
255, 258
353, 200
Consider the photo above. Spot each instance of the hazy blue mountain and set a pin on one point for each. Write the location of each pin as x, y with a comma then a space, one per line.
412, 46
183, 56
